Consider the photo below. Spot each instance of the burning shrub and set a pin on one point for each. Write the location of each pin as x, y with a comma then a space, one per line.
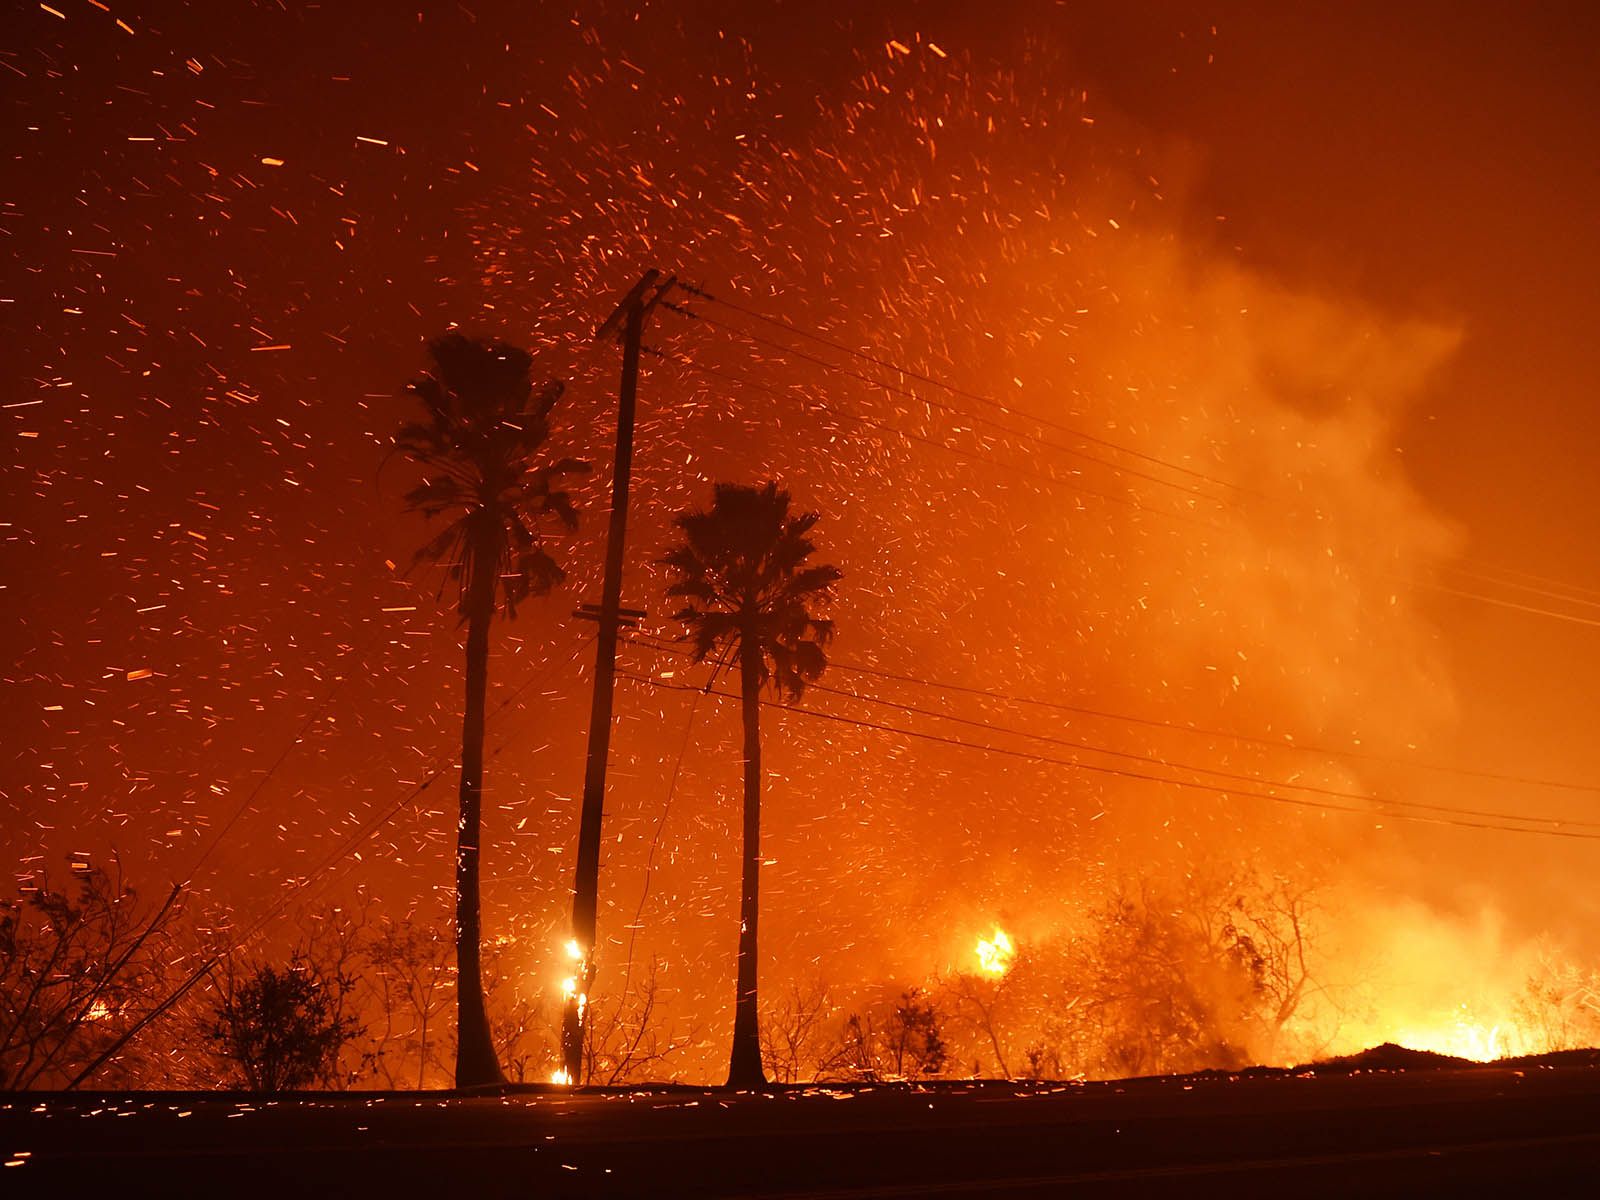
1163, 993
1558, 1007
1214, 973
1209, 975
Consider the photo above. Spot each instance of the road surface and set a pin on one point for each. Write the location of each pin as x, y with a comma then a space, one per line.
1488, 1131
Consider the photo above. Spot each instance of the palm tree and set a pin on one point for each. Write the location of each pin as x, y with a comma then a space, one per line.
485, 423
742, 573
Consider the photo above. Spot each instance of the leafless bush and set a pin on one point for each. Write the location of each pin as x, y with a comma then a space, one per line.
408, 987
77, 967
624, 1040
987, 1005
1558, 1007
524, 1036
798, 1041
900, 1039
405, 995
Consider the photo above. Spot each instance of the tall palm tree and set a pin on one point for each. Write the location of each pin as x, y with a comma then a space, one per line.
742, 572
478, 446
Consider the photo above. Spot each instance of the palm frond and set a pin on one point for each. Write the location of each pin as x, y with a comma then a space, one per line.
484, 425
740, 567
443, 546
811, 582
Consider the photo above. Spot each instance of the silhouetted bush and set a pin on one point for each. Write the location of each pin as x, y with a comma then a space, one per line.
283, 1028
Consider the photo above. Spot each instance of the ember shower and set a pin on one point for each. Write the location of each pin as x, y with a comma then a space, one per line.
1161, 486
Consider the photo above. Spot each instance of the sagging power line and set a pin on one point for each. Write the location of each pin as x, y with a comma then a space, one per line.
1326, 806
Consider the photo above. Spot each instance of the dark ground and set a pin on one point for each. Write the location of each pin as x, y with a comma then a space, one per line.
1531, 1130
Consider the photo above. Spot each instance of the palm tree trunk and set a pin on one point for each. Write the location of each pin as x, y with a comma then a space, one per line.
744, 1070
476, 1062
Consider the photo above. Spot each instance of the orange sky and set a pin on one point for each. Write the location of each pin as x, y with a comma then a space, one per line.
1340, 257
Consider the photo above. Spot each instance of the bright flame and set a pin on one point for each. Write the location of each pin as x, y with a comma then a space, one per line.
560, 1076
1462, 1038
995, 955
569, 989
569, 985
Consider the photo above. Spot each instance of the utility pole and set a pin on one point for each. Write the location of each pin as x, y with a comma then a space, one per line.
629, 316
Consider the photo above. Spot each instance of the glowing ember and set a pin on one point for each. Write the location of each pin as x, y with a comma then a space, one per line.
997, 954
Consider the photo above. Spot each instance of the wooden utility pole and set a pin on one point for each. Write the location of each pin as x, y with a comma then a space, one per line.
629, 316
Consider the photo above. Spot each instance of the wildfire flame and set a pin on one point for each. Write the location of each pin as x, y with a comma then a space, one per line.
569, 985
1462, 1038
996, 954
560, 1076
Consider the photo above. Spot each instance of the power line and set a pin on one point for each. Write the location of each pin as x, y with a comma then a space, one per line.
1045, 477
1127, 774
990, 401
1564, 589
368, 828
956, 451
300, 735
440, 764
1170, 764
795, 352
855, 668
952, 388
1574, 618
1481, 576
661, 821
922, 439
